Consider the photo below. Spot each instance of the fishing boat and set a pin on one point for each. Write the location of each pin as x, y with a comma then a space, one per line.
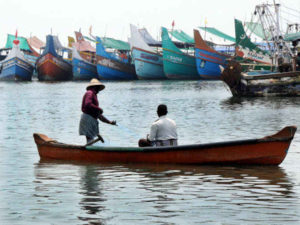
51, 66
260, 84
15, 66
82, 69
208, 60
148, 61
250, 55
148, 38
36, 46
177, 64
83, 59
270, 150
285, 81
116, 65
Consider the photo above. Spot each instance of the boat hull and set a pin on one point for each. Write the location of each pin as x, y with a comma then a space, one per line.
179, 66
148, 65
266, 151
110, 69
208, 60
16, 69
52, 68
176, 64
83, 70
272, 84
208, 64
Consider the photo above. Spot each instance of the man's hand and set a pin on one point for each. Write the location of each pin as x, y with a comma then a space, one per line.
113, 122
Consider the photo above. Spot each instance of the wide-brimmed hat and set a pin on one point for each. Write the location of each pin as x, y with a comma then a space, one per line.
95, 82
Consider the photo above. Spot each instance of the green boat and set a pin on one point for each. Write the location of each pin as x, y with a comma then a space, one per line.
177, 64
249, 55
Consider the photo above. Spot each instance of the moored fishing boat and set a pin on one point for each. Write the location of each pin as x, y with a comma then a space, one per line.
261, 83
36, 46
51, 66
112, 67
270, 150
15, 66
148, 61
83, 59
82, 69
176, 64
250, 56
285, 81
208, 60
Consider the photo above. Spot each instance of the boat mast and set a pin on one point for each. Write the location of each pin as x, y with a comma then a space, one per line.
276, 6
271, 24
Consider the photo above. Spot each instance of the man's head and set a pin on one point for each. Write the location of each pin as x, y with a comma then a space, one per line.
162, 110
96, 85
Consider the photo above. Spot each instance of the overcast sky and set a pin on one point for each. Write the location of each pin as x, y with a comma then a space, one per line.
112, 17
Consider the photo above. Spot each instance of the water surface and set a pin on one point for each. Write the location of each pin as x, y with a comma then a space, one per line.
53, 192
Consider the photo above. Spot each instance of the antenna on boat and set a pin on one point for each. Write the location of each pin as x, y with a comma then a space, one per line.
105, 30
205, 23
173, 24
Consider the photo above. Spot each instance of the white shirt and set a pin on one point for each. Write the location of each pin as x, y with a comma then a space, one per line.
163, 129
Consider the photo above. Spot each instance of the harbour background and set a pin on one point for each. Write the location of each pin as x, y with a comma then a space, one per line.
37, 192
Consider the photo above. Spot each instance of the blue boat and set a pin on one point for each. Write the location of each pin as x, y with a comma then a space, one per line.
208, 60
112, 67
148, 63
15, 66
82, 69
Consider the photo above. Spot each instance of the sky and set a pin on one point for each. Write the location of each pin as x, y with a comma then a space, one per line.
111, 18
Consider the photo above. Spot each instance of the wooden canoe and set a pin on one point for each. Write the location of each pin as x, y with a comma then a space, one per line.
270, 150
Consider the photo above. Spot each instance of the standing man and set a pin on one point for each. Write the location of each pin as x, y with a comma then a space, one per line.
163, 131
91, 111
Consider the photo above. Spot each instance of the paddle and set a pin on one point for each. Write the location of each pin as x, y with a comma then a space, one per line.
96, 140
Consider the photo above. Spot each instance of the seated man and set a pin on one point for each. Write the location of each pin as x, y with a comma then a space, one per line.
163, 131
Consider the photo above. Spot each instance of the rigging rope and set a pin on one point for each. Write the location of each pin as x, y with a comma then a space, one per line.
295, 10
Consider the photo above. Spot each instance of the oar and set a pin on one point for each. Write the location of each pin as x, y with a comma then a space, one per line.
96, 140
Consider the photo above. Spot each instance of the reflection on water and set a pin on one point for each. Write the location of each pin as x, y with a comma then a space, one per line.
275, 102
39, 192
91, 202
168, 194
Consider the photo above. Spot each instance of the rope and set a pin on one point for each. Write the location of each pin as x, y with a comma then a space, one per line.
295, 10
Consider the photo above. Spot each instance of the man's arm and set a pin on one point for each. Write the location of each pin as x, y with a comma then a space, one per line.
105, 120
153, 131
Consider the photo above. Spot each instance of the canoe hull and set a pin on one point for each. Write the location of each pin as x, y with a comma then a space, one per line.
266, 151
16, 69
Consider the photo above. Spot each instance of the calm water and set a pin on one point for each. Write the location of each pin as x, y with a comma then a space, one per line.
38, 192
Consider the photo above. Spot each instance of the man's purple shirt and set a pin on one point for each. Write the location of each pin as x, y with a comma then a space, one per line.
90, 104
